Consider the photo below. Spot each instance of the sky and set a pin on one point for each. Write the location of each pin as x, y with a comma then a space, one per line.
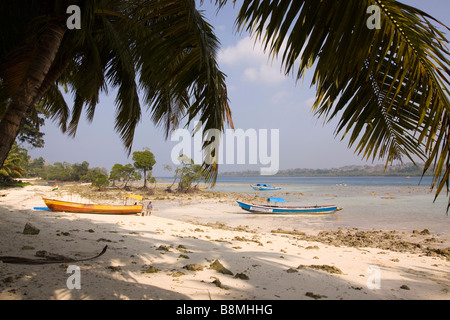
260, 98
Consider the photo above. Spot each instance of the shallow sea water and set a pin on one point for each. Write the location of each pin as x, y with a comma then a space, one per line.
368, 203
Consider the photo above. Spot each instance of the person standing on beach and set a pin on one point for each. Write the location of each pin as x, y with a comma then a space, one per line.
148, 210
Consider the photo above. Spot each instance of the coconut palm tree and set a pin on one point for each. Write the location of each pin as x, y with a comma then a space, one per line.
162, 49
385, 77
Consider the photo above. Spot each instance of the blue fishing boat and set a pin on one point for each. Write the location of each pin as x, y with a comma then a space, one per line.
263, 186
278, 209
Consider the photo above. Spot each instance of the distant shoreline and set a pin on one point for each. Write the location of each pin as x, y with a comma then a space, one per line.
347, 171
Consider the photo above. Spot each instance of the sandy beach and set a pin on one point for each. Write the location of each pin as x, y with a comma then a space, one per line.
157, 257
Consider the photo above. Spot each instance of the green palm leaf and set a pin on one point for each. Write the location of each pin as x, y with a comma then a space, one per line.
162, 49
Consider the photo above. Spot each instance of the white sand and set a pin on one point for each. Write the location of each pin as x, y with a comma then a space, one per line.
133, 243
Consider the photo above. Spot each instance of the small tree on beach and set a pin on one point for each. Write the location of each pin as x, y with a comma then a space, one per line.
123, 173
184, 160
187, 173
100, 180
151, 180
116, 173
129, 174
144, 160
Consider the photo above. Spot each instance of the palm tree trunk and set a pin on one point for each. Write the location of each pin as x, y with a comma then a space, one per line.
27, 92
52, 76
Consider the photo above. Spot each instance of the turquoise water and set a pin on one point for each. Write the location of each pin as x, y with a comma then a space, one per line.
350, 181
368, 202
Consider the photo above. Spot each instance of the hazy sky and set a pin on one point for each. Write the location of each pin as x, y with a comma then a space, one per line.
260, 98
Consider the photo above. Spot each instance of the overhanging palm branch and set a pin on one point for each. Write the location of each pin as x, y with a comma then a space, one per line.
388, 87
163, 49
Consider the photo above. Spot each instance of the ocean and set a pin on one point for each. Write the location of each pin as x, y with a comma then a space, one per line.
382, 202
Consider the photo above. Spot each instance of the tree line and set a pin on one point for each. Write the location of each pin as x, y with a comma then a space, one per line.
20, 164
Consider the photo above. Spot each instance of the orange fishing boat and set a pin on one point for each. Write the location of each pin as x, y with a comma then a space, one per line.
59, 205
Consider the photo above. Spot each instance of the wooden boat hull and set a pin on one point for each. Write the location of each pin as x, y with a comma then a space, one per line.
269, 209
58, 205
264, 188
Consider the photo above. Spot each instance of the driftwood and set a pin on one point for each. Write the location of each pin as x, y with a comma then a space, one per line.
49, 259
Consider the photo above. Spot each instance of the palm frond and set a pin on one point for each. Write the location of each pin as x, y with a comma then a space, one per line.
164, 49
186, 82
389, 87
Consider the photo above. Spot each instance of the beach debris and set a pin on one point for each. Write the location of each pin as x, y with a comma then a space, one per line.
291, 270
218, 283
244, 239
323, 267
177, 274
291, 232
30, 229
424, 232
218, 266
8, 280
114, 268
183, 256
183, 249
314, 296
48, 258
194, 267
440, 252
163, 248
356, 288
405, 287
386, 240
150, 269
241, 276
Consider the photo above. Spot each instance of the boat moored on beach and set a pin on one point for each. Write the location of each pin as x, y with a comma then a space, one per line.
264, 187
278, 209
59, 205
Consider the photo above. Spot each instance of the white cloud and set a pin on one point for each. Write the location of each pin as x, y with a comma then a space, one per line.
264, 74
250, 57
245, 51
